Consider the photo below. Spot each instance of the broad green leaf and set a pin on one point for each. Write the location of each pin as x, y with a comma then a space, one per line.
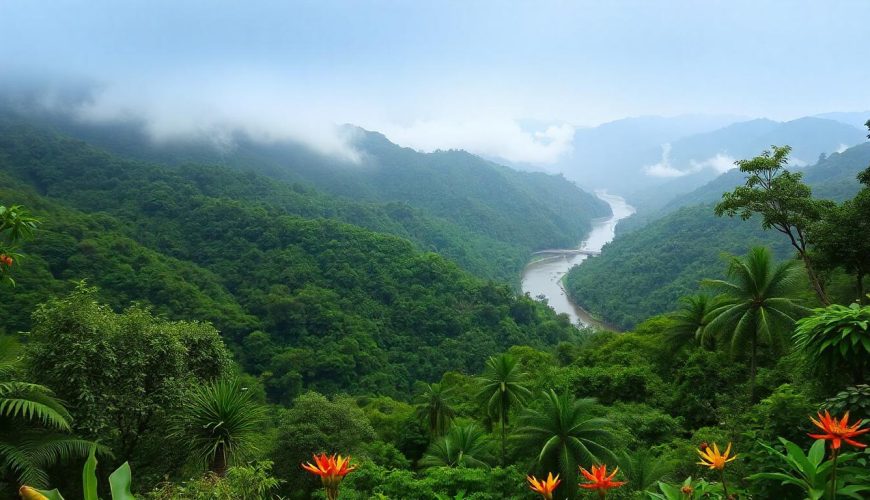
89, 476
817, 452
120, 481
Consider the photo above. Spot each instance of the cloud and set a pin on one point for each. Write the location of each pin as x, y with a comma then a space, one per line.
664, 168
841, 148
720, 163
500, 138
214, 110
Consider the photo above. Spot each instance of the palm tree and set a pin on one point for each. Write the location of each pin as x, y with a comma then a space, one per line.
501, 390
757, 305
566, 435
33, 424
433, 408
218, 422
463, 446
642, 469
690, 321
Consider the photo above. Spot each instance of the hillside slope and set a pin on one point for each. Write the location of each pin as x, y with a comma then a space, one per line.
306, 301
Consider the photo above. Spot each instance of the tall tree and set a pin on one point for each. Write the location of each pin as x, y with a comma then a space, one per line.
16, 224
842, 237
757, 304
566, 435
502, 390
433, 408
782, 200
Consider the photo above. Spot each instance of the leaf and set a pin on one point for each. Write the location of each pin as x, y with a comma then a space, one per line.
817, 452
89, 476
52, 494
119, 482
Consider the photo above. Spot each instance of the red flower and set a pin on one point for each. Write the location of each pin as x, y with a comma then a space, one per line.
838, 431
599, 478
331, 470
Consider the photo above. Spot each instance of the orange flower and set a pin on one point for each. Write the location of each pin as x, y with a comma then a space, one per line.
599, 478
331, 470
712, 458
545, 488
838, 431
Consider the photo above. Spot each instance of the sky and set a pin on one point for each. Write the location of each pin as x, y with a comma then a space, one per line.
465, 74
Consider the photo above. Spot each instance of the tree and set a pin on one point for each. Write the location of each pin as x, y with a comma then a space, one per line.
218, 422
566, 435
502, 390
433, 408
16, 224
34, 425
840, 238
317, 424
784, 202
758, 304
689, 323
463, 446
122, 374
836, 339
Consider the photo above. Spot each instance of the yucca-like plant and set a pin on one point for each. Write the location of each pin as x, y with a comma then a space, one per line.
218, 422
462, 446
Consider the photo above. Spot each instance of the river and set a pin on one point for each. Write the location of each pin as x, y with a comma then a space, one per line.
544, 277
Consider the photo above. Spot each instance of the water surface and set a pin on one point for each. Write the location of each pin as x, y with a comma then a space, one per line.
544, 277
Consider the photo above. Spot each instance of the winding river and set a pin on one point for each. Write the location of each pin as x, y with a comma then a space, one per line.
544, 276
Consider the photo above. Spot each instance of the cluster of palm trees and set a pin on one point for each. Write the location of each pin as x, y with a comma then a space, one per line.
559, 427
757, 306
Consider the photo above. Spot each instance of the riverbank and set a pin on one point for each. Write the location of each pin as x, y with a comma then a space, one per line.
543, 276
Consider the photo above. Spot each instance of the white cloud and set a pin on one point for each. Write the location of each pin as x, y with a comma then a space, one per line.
217, 110
841, 148
720, 163
501, 138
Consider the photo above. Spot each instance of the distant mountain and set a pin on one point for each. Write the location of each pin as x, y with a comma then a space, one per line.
703, 157
486, 201
833, 177
856, 119
610, 155
646, 269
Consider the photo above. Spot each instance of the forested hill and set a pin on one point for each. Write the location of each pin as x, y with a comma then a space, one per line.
832, 177
522, 209
306, 301
645, 271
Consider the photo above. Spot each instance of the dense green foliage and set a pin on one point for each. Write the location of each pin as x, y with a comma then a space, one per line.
645, 272
484, 216
217, 245
230, 339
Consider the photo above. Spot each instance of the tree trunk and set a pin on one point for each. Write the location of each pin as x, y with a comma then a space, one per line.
752, 368
219, 461
814, 280
502, 442
859, 285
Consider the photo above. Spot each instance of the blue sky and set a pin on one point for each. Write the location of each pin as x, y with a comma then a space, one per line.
439, 74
